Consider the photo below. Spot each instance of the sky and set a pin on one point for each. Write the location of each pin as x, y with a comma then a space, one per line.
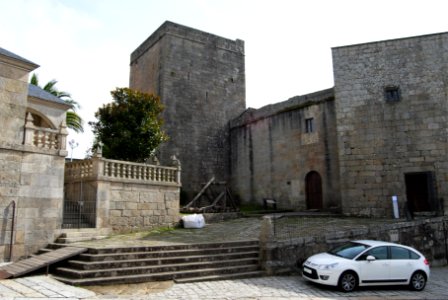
86, 44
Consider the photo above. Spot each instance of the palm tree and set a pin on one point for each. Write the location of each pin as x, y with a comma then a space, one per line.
73, 120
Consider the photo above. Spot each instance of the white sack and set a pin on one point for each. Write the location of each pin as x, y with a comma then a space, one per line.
193, 221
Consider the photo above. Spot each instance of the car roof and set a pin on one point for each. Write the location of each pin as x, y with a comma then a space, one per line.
372, 243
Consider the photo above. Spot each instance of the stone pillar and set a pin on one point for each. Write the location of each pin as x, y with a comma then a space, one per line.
267, 243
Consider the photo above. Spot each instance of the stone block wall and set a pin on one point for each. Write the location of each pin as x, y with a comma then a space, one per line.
272, 152
129, 196
140, 207
13, 100
380, 139
31, 169
200, 78
429, 236
35, 183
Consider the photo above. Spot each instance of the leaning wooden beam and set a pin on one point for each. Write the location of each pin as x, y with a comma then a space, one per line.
200, 193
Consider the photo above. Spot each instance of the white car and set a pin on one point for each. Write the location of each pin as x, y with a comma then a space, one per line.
365, 262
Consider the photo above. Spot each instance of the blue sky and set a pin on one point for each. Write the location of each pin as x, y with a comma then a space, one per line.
86, 44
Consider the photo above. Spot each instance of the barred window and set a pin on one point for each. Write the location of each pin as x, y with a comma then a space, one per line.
392, 93
309, 125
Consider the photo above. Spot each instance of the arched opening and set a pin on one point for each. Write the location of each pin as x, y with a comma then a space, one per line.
313, 189
39, 120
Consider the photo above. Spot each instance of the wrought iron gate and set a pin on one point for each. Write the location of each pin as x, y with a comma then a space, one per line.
79, 206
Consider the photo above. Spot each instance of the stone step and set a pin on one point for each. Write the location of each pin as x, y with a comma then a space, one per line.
105, 250
154, 269
91, 265
138, 264
220, 277
80, 235
230, 272
120, 255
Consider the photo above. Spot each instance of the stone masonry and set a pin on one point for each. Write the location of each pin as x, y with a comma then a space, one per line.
384, 138
31, 162
200, 78
273, 151
380, 132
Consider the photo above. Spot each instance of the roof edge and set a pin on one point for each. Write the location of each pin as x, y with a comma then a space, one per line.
16, 60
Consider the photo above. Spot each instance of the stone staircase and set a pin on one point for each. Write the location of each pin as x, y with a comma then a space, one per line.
69, 236
181, 263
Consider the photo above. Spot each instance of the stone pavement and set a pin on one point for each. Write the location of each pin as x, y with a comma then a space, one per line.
263, 288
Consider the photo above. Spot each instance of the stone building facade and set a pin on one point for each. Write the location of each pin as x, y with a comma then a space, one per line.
32, 152
288, 152
380, 132
392, 110
200, 78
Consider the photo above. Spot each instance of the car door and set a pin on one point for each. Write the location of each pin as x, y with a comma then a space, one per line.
375, 271
401, 264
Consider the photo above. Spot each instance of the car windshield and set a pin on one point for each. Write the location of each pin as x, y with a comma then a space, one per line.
349, 250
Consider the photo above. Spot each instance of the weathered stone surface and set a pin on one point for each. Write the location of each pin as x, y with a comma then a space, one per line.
200, 78
381, 140
272, 152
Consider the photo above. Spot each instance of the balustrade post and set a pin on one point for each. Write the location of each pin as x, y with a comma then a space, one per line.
62, 139
97, 167
29, 130
176, 163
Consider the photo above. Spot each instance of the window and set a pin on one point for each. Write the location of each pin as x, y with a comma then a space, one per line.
400, 253
392, 93
309, 125
378, 253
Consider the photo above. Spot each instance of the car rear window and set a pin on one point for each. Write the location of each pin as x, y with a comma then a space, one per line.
402, 253
349, 250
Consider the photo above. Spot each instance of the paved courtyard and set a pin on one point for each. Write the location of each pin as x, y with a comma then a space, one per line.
264, 288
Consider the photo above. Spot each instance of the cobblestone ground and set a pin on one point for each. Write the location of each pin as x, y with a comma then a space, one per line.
235, 230
294, 287
263, 288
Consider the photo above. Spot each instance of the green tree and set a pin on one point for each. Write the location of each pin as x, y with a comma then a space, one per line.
129, 128
73, 120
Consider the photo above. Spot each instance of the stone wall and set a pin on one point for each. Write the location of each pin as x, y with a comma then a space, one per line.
272, 152
381, 139
129, 196
31, 166
200, 78
35, 183
429, 236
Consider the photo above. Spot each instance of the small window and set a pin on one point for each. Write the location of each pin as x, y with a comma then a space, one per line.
309, 125
392, 93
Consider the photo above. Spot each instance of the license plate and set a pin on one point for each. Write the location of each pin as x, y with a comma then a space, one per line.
306, 270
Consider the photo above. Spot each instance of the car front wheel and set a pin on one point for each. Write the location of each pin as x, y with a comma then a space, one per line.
347, 282
418, 281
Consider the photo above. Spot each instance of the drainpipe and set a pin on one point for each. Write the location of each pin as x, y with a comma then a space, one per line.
13, 203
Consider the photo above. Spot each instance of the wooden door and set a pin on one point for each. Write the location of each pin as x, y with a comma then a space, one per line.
313, 187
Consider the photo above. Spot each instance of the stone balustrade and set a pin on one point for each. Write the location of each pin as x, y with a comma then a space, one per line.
102, 168
45, 138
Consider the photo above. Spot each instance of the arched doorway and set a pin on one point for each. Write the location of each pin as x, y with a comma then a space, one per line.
313, 189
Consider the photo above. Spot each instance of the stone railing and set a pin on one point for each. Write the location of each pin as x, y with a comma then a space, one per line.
45, 138
107, 169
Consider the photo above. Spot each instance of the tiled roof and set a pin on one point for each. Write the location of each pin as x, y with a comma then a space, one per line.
37, 92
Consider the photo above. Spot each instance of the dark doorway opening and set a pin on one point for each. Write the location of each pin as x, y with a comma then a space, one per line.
313, 189
420, 191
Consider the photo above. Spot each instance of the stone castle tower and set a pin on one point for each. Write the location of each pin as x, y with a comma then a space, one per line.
200, 78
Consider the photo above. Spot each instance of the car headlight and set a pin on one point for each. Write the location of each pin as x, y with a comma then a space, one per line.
328, 266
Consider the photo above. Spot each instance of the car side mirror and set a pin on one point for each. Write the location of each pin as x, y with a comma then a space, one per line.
370, 258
